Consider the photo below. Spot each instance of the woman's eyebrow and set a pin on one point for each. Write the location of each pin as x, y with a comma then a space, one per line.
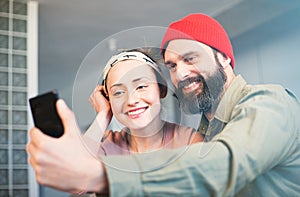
134, 81
121, 84
142, 79
116, 85
137, 79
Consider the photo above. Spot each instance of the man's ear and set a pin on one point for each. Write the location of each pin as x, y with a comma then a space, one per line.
224, 60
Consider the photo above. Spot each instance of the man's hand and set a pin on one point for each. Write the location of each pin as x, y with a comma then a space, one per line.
64, 163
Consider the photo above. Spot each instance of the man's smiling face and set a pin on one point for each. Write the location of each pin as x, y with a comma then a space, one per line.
196, 73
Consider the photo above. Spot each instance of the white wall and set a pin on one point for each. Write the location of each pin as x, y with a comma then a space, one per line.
269, 53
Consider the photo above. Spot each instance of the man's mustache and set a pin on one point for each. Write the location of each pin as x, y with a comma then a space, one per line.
190, 80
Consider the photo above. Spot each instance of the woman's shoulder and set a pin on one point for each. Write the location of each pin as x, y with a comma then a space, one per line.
182, 133
178, 128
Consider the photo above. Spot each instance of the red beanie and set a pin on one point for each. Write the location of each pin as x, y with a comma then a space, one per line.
201, 28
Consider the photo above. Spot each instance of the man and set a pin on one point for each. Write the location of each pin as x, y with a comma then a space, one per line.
253, 132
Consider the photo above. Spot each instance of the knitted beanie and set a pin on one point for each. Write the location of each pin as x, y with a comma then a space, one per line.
201, 28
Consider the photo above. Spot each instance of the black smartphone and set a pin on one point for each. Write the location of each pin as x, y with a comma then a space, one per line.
45, 117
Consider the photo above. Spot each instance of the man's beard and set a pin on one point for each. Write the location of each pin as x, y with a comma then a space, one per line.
211, 92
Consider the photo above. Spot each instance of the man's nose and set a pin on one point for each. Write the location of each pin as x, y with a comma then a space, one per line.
183, 71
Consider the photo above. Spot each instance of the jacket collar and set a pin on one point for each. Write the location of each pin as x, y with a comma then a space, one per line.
231, 97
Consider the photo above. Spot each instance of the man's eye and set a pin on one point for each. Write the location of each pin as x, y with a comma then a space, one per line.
171, 67
190, 59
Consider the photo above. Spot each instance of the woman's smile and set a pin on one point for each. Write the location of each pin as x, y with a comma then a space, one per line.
136, 112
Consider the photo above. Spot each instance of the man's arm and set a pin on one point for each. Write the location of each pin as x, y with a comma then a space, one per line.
260, 135
64, 163
177, 172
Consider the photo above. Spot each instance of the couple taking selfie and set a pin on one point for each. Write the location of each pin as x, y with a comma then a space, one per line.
247, 142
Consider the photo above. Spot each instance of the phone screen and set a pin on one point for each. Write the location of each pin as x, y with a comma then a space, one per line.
45, 117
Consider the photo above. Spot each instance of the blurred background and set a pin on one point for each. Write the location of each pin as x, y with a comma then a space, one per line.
265, 35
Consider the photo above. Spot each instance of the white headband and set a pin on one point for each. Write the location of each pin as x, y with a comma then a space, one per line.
128, 56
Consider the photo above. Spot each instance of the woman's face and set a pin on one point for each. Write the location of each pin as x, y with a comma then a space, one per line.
134, 94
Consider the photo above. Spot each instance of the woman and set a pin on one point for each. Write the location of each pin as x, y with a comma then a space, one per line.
132, 88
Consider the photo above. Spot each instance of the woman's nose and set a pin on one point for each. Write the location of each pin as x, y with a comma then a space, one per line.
133, 98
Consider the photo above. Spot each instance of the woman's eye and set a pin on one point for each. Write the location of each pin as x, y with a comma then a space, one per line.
141, 87
118, 93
